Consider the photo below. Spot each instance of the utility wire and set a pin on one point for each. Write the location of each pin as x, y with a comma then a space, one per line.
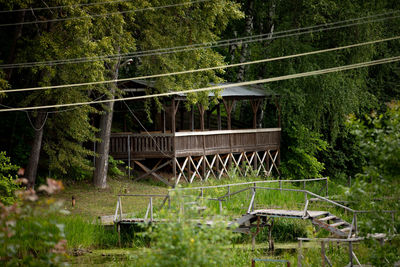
221, 43
202, 69
268, 80
102, 14
66, 6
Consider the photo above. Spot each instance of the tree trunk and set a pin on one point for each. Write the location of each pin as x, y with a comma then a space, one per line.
103, 147
31, 170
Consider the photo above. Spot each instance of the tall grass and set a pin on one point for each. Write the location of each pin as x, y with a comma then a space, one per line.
81, 233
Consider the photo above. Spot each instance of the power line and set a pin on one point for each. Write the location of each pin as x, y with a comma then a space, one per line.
103, 14
65, 6
202, 69
268, 80
221, 43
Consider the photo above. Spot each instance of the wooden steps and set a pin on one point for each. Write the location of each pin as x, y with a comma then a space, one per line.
333, 224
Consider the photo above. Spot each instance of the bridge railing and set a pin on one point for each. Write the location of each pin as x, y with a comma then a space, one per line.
118, 215
353, 227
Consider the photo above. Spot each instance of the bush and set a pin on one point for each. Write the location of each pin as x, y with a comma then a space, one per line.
300, 160
30, 235
183, 242
7, 182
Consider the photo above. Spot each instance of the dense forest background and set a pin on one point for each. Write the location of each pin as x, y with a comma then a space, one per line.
316, 140
344, 125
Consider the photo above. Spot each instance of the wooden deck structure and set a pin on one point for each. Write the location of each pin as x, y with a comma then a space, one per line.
191, 153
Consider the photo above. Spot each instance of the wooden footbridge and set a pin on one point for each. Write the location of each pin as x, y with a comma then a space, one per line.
253, 218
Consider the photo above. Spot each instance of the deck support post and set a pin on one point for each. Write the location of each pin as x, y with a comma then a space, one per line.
173, 116
189, 168
174, 169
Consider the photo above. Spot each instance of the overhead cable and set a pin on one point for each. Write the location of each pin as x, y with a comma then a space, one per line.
202, 69
218, 87
221, 43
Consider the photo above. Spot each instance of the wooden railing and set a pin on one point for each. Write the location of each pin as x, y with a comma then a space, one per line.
140, 145
192, 143
226, 141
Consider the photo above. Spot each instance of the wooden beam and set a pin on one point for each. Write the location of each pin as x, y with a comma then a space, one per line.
255, 104
228, 103
173, 115
201, 110
219, 116
153, 172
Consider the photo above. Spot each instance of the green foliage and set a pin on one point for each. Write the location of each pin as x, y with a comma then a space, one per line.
182, 242
301, 158
113, 167
29, 238
377, 187
384, 254
7, 180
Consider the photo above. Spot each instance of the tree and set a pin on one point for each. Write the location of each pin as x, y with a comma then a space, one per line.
152, 30
67, 129
320, 103
377, 187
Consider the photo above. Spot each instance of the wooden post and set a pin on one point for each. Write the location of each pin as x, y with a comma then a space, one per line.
255, 104
120, 208
192, 119
189, 167
271, 246
174, 168
323, 253
173, 115
163, 120
182, 118
219, 116
326, 185
255, 161
151, 209
253, 263
299, 254
351, 253
228, 107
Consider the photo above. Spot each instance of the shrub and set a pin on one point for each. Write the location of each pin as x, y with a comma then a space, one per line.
183, 242
7, 182
30, 235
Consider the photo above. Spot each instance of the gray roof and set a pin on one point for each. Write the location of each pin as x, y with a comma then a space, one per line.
234, 91
241, 91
